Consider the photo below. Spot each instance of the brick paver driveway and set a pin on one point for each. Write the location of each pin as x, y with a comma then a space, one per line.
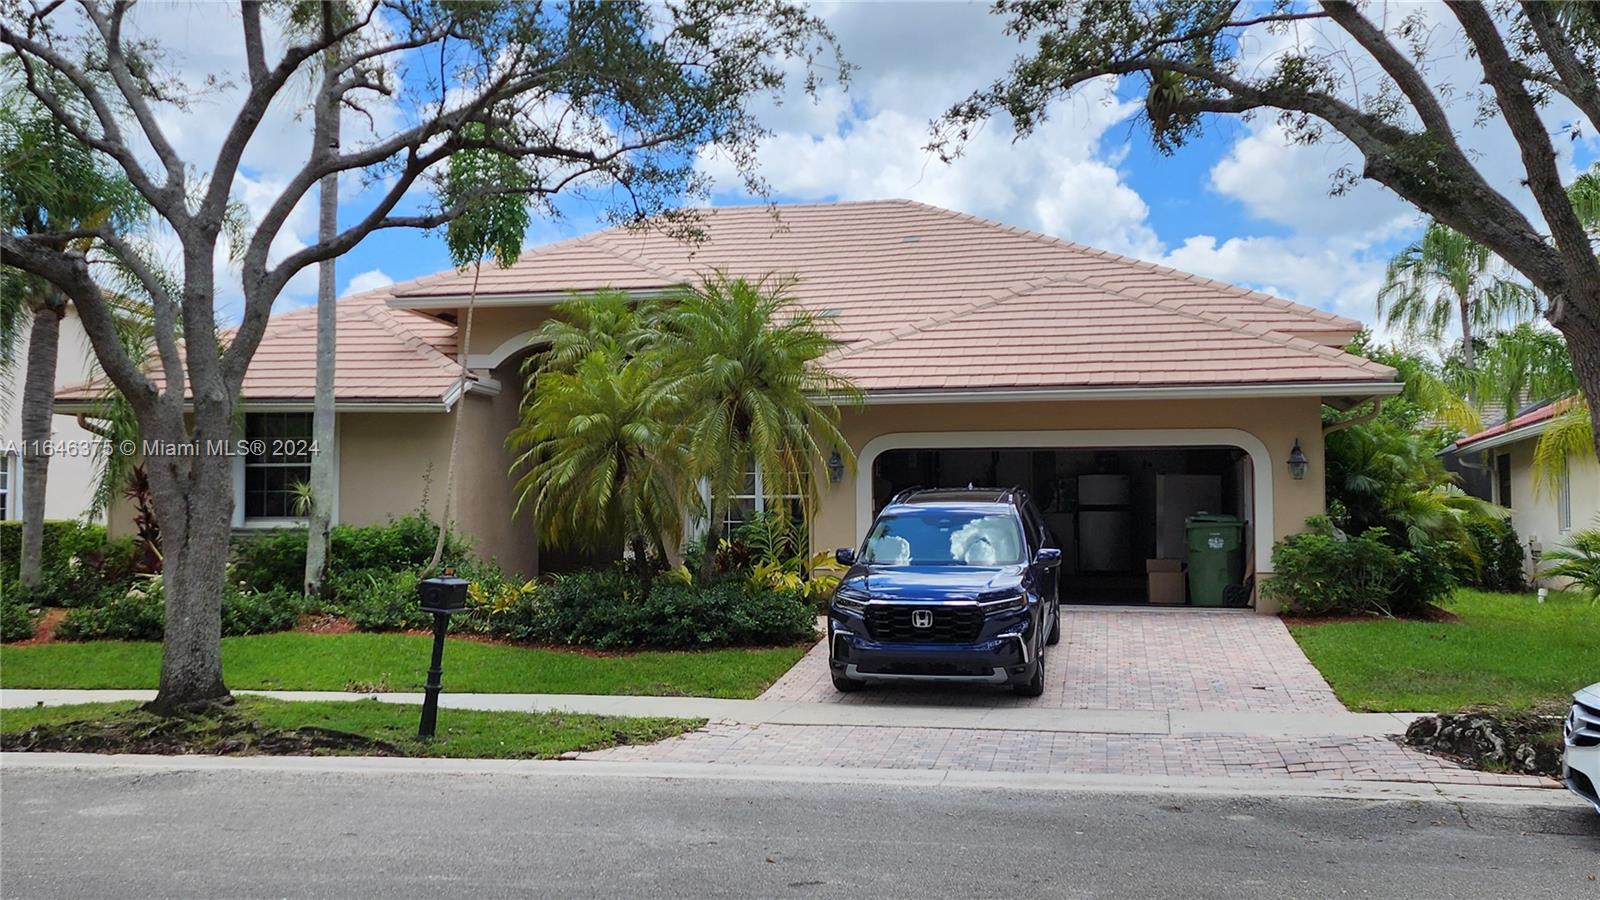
1123, 658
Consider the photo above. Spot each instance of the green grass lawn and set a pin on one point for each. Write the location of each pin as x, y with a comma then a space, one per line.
293, 661
252, 722
1507, 651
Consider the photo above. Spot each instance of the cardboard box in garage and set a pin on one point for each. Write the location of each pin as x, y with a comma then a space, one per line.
1168, 581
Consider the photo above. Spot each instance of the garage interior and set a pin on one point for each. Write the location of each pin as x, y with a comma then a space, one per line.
1112, 509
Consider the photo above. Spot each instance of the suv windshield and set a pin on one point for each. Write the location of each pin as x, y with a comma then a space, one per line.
944, 537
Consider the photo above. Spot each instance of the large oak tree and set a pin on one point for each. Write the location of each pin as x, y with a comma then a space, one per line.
1338, 73
616, 97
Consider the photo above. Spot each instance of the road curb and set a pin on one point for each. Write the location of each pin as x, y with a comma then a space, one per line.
1367, 791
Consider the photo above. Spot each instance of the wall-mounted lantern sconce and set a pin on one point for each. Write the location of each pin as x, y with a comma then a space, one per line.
1298, 464
835, 466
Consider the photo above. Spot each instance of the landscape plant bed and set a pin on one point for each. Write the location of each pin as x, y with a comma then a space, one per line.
295, 661
1502, 651
1522, 743
259, 726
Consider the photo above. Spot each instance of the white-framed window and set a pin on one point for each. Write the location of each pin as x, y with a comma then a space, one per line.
8, 482
1564, 497
270, 476
751, 501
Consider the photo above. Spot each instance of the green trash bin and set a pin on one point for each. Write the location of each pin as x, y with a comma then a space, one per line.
1216, 557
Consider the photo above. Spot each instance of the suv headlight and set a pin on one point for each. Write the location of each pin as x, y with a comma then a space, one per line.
851, 601
1004, 604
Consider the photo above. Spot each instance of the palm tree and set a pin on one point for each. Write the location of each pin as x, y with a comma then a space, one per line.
745, 361
1578, 560
48, 182
602, 461
606, 322
1445, 277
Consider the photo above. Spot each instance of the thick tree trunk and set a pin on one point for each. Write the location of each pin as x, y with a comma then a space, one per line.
319, 528
194, 506
38, 410
1577, 316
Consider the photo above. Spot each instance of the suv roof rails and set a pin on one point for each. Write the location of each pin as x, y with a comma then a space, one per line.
1001, 495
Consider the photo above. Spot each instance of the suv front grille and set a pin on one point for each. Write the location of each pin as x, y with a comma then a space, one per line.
893, 623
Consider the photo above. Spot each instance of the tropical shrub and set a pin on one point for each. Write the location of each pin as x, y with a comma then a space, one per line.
137, 615
260, 612
63, 540
1496, 563
276, 558
1577, 560
380, 599
606, 609
17, 620
1324, 572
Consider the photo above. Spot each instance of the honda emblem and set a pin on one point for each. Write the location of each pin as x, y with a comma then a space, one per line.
921, 618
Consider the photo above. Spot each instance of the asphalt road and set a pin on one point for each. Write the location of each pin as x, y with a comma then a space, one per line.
126, 834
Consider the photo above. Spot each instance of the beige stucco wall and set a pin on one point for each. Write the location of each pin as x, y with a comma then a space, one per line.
388, 461
1276, 423
493, 328
1535, 514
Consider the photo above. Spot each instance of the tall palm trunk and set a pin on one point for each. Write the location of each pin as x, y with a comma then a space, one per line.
455, 431
38, 409
1468, 352
320, 524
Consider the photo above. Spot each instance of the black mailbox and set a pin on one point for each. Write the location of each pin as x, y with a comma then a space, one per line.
445, 594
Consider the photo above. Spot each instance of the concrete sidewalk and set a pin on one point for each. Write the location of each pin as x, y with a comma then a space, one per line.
1170, 723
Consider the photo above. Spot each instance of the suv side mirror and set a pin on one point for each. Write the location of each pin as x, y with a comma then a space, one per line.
845, 556
1047, 558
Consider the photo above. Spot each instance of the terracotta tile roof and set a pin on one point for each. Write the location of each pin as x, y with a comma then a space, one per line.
910, 283
1542, 413
384, 355
923, 298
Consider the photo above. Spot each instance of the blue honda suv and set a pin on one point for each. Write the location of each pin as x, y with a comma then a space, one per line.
949, 586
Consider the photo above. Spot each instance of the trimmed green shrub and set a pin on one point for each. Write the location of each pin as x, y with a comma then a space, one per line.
63, 540
138, 615
276, 558
380, 600
17, 620
1498, 565
1323, 572
605, 609
260, 612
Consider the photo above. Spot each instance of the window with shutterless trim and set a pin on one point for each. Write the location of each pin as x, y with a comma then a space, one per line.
279, 459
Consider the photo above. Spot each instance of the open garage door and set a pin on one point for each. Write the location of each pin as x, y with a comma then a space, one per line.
1118, 513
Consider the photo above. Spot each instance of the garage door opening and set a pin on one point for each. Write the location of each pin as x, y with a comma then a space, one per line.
1112, 510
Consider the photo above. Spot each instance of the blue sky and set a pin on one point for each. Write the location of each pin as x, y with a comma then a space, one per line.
1242, 204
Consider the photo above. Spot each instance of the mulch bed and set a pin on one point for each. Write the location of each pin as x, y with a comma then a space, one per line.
227, 734
45, 631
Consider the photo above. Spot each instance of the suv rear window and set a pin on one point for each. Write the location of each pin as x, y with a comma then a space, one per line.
943, 537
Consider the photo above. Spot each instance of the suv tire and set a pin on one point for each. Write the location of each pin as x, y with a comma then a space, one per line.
1033, 687
845, 685
1055, 629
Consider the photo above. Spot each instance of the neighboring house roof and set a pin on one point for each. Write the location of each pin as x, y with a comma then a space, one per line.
385, 355
924, 300
1527, 424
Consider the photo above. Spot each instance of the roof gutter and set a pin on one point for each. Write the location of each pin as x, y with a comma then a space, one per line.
1505, 437
86, 409
1173, 392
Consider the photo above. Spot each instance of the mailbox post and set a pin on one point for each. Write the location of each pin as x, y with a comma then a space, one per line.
441, 596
